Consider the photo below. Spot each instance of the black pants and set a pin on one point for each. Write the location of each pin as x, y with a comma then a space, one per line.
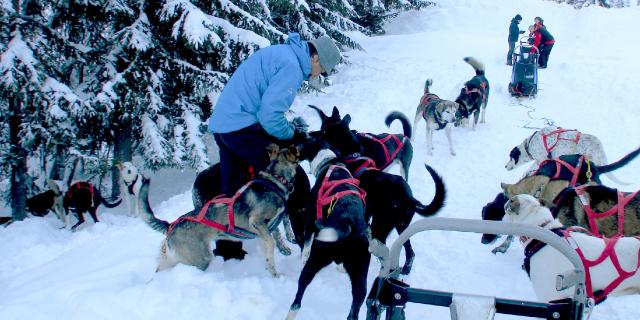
512, 46
545, 50
239, 150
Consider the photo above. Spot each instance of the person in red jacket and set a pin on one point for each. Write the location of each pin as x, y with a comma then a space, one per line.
544, 41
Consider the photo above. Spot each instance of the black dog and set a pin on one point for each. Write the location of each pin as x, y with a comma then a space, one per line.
384, 148
83, 197
40, 204
335, 228
474, 96
208, 185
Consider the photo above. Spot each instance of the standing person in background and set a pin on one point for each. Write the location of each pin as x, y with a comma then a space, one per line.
545, 43
514, 32
250, 112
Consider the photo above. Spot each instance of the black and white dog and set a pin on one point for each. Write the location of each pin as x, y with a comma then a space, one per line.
335, 228
438, 114
474, 96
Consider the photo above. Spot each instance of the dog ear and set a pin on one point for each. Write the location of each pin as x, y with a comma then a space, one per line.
323, 117
293, 154
346, 120
335, 114
273, 150
505, 188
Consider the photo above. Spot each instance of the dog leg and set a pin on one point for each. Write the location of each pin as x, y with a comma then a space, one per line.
447, 132
357, 266
80, 221
280, 244
321, 258
288, 230
484, 109
93, 214
504, 246
267, 243
306, 250
409, 257
429, 141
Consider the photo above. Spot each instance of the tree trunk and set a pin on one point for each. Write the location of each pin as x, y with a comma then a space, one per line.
18, 162
59, 165
122, 152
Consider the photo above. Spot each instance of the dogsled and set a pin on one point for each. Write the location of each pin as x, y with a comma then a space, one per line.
524, 75
389, 295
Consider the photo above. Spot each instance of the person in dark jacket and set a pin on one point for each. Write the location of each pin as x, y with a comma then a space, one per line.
514, 32
544, 42
250, 111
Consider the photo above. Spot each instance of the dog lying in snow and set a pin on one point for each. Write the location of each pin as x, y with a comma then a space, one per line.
438, 114
253, 212
606, 260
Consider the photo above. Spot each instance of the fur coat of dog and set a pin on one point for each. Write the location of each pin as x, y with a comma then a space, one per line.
547, 263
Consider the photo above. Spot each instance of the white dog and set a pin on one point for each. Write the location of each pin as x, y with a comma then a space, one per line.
547, 263
130, 185
556, 142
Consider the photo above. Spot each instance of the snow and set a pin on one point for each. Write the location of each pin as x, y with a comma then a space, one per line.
106, 270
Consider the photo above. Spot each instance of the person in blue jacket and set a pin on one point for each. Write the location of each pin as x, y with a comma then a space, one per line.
514, 33
250, 111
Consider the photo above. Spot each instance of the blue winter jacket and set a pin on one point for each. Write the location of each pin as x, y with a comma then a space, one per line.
262, 89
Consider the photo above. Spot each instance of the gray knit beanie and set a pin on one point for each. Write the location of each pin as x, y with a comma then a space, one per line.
327, 52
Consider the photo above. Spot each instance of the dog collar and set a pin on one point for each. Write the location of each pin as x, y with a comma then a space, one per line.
130, 186
283, 185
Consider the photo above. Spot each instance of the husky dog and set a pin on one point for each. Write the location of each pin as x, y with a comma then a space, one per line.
552, 142
544, 263
130, 187
438, 114
384, 149
335, 227
52, 199
83, 197
474, 96
255, 211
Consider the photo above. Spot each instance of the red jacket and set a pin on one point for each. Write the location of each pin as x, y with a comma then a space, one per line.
537, 37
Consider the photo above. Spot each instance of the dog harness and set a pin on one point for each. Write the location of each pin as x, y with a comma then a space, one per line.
429, 100
618, 209
390, 145
231, 229
608, 253
327, 195
77, 186
550, 143
560, 164
361, 164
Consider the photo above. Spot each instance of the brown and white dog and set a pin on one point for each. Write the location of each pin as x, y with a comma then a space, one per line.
131, 180
438, 114
620, 259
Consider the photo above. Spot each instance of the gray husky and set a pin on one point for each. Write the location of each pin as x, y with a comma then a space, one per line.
257, 209
438, 114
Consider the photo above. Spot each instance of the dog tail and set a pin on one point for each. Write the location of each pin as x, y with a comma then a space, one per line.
476, 64
145, 208
110, 205
438, 199
620, 163
427, 85
397, 115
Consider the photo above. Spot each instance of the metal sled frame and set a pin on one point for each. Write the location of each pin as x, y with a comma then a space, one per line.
390, 295
517, 61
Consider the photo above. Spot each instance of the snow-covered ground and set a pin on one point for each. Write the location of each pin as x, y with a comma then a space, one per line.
106, 270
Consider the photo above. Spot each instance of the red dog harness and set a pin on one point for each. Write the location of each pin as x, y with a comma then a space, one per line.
608, 253
77, 186
327, 194
389, 143
363, 164
229, 229
559, 164
557, 134
617, 209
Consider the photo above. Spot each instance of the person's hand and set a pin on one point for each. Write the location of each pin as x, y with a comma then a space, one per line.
521, 31
299, 124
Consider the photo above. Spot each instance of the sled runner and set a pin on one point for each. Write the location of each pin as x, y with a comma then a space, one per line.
389, 295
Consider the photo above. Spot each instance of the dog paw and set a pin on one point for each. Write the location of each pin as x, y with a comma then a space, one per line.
497, 250
285, 250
